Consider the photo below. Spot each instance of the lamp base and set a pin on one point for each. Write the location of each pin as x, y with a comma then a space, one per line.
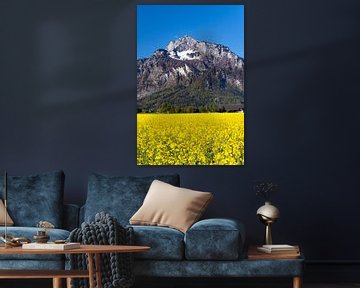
268, 237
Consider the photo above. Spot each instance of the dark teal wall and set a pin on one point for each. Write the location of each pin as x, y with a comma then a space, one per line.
67, 100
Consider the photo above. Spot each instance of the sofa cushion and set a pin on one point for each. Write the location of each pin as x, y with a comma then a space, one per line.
214, 239
29, 232
170, 206
35, 198
119, 196
165, 243
9, 221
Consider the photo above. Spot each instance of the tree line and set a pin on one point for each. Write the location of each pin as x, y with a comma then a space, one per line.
168, 108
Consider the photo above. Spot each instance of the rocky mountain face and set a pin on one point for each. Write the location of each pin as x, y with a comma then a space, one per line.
189, 72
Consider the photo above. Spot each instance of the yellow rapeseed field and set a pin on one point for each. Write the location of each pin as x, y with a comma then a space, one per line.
190, 139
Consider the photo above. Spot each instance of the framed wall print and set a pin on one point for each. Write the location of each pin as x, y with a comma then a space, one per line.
190, 85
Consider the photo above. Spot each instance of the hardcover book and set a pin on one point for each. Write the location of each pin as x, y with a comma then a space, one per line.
255, 254
271, 249
51, 246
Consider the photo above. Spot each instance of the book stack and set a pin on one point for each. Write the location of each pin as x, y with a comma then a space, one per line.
279, 249
273, 252
51, 246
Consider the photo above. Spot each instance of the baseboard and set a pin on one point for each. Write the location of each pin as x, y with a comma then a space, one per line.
332, 271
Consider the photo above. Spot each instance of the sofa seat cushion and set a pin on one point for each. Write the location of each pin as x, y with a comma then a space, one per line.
29, 232
35, 198
166, 243
119, 196
214, 239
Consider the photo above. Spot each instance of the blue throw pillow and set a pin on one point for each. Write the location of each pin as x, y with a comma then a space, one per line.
119, 196
35, 198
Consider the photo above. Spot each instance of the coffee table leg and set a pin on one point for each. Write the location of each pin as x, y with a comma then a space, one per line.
297, 282
57, 283
68, 282
98, 270
91, 270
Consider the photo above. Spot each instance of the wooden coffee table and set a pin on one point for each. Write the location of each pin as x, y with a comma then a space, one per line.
92, 251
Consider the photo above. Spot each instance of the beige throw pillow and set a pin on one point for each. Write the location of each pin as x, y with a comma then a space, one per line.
170, 206
9, 221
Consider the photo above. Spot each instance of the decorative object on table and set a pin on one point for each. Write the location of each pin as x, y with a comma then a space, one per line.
45, 225
185, 89
41, 236
116, 268
11, 241
60, 241
268, 213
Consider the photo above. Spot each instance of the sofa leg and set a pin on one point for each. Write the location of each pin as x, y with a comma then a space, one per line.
297, 282
57, 283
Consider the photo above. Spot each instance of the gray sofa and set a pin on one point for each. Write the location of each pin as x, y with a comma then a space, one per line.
32, 199
210, 248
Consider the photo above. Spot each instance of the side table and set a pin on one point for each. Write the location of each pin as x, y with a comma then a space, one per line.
288, 259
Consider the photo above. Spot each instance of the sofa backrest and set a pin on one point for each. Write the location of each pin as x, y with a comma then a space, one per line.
70, 219
35, 198
119, 196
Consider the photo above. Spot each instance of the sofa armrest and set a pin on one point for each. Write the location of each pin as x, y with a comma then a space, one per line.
71, 216
215, 239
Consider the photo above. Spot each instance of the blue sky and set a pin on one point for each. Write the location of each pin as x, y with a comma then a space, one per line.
157, 25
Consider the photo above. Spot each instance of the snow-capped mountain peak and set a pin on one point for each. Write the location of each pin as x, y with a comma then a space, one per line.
187, 64
181, 44
185, 55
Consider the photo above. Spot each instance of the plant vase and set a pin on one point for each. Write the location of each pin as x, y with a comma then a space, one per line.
268, 214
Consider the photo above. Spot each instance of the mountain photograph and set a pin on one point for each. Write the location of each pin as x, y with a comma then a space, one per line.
190, 85
190, 73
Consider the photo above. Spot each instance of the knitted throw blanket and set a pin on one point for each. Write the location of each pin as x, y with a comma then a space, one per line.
116, 268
